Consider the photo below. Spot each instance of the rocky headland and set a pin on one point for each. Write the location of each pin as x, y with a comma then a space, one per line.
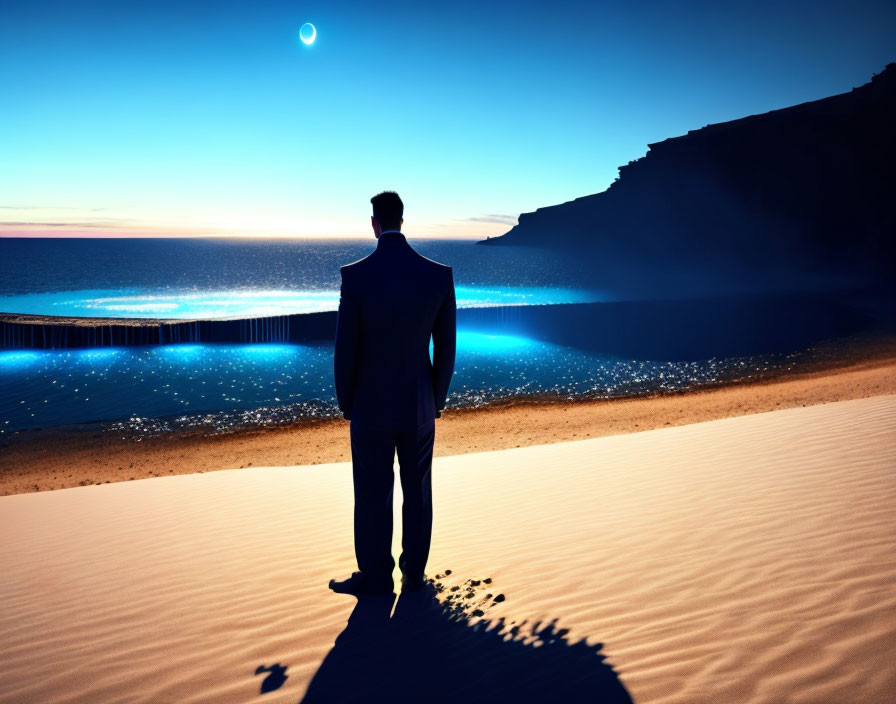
806, 188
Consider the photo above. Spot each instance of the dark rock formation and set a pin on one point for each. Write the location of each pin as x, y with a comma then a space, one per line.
809, 188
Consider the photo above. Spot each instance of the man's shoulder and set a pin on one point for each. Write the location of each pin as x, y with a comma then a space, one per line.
371, 268
433, 265
355, 266
440, 275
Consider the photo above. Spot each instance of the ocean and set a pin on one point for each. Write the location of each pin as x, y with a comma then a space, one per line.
140, 390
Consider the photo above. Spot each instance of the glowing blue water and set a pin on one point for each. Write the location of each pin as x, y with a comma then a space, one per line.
218, 387
134, 303
207, 278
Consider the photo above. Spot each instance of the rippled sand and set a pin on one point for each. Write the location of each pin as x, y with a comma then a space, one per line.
747, 559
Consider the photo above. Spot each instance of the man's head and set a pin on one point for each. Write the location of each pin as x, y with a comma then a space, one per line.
388, 211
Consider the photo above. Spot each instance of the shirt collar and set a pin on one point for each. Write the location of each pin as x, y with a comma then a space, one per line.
389, 237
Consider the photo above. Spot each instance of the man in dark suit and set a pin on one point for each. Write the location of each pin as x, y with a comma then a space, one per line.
392, 302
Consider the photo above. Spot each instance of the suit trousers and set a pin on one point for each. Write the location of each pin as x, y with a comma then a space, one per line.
373, 454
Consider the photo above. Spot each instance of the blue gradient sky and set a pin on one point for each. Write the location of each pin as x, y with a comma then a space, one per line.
120, 118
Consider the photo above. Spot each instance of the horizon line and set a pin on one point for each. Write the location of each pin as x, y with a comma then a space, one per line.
51, 236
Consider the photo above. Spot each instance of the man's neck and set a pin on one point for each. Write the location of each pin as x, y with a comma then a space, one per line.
386, 232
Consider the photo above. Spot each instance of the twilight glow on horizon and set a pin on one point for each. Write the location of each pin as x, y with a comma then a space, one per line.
199, 119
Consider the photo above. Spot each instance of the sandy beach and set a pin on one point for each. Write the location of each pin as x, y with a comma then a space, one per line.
639, 262
55, 459
746, 559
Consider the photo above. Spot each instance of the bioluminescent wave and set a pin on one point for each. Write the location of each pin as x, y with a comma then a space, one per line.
124, 303
250, 303
219, 387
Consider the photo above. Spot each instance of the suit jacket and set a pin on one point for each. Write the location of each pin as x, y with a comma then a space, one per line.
390, 304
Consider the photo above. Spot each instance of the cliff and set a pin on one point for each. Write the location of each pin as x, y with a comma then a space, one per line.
809, 187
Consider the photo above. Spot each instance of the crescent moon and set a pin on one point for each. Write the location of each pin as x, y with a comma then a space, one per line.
309, 40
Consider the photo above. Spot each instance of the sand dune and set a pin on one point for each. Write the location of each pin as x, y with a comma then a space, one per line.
748, 559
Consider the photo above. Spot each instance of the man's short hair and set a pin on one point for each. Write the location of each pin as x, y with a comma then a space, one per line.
388, 210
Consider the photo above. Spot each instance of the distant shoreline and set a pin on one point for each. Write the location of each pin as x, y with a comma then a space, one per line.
40, 460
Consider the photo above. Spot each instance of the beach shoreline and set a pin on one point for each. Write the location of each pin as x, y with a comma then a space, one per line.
48, 459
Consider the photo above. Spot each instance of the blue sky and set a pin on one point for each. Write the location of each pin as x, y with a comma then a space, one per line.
164, 118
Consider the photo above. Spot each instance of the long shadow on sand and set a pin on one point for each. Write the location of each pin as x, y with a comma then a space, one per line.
438, 651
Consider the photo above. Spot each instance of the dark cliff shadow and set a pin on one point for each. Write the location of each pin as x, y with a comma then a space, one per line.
694, 329
438, 651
